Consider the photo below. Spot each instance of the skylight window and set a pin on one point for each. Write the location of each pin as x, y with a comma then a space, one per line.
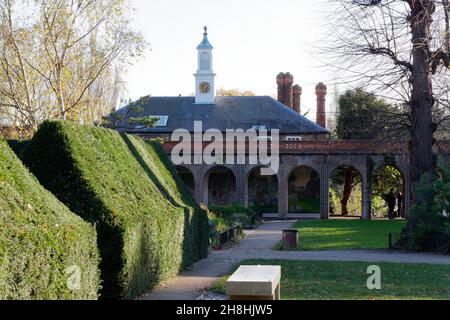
162, 122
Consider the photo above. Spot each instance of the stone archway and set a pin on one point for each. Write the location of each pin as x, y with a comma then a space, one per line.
387, 178
304, 191
219, 186
346, 191
262, 191
187, 177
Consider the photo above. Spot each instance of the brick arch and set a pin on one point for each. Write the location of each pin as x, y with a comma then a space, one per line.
401, 166
207, 169
209, 195
250, 170
361, 168
248, 192
291, 170
362, 171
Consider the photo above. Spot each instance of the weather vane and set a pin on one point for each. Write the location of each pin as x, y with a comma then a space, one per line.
206, 29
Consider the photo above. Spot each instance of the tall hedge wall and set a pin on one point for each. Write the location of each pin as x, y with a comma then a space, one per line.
44, 248
148, 226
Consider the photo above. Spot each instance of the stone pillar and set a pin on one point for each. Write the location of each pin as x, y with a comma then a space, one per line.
283, 190
324, 190
321, 92
246, 191
297, 98
201, 187
241, 189
367, 191
198, 182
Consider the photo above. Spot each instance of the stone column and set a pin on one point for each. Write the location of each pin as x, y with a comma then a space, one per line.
240, 184
324, 190
367, 191
200, 188
283, 190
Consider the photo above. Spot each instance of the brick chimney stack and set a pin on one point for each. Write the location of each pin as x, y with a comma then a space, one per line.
321, 92
289, 90
297, 98
280, 84
285, 82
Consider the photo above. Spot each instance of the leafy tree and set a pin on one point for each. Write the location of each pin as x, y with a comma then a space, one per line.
234, 93
386, 178
128, 115
360, 117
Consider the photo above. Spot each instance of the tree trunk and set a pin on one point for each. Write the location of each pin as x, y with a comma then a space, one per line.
446, 4
422, 130
347, 191
60, 94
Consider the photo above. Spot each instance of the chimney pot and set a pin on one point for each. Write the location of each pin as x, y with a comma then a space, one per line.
297, 93
289, 91
280, 83
285, 89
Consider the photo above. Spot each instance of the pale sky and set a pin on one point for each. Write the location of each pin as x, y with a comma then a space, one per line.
253, 41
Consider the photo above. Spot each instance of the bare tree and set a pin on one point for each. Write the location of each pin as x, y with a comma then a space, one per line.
59, 63
400, 50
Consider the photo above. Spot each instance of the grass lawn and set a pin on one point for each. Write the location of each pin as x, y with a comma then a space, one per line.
346, 234
323, 280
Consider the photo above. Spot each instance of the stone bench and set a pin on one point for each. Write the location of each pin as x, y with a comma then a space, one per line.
255, 283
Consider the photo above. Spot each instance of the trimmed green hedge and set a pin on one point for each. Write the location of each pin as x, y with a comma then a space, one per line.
148, 226
43, 245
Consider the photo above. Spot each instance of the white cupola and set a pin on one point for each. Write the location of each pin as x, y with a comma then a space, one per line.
204, 78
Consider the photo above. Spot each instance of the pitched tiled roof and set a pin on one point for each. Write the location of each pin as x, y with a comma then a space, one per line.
227, 113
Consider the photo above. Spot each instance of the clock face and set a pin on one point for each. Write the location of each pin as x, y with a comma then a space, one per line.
205, 87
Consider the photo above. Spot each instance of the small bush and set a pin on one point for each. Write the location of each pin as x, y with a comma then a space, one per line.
42, 243
228, 216
429, 225
232, 209
149, 227
242, 219
223, 218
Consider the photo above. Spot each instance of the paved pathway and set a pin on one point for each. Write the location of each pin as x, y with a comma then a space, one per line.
259, 244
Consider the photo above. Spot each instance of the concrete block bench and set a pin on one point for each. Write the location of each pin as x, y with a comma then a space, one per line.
255, 283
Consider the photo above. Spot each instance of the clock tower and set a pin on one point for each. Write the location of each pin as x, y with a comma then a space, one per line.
204, 78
